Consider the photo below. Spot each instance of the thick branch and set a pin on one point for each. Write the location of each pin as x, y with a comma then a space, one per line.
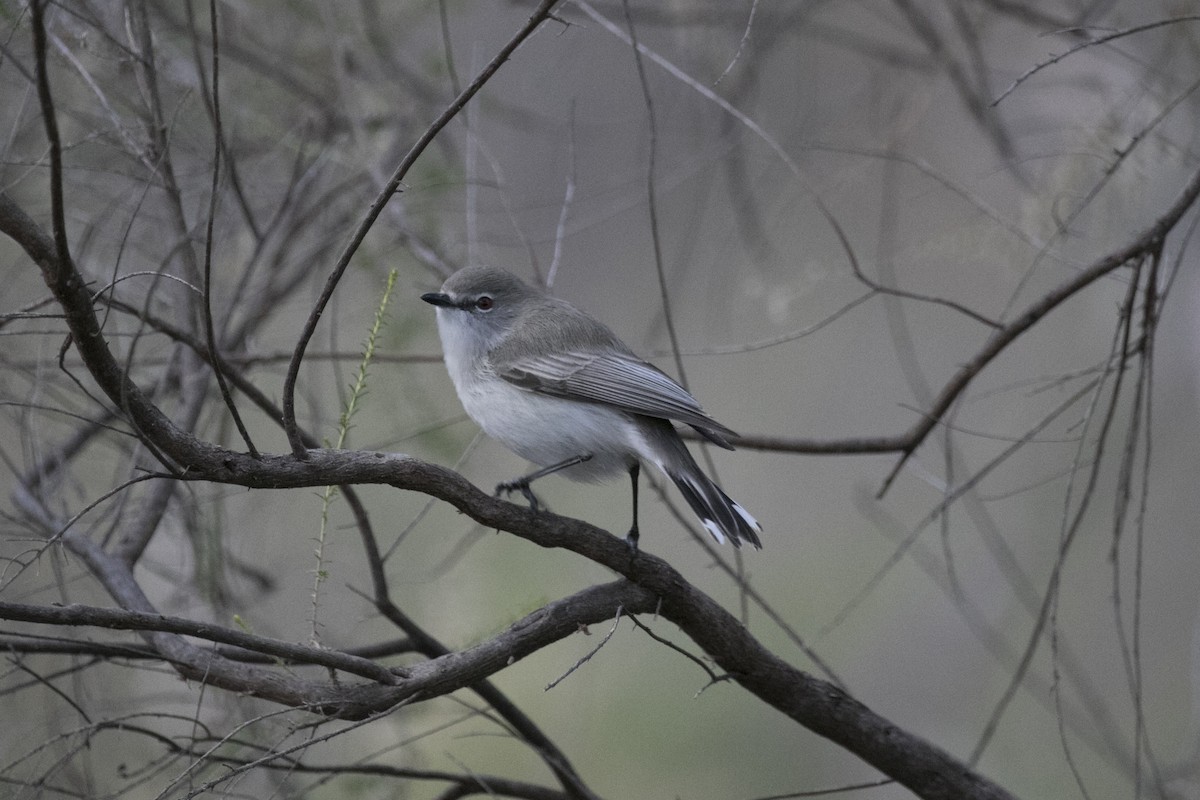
819, 706
432, 678
75, 299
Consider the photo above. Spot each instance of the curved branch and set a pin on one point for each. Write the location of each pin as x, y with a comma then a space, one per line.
652, 584
821, 707
121, 619
540, 14
1145, 243
130, 544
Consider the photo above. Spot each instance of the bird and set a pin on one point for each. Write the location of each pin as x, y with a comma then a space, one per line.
559, 388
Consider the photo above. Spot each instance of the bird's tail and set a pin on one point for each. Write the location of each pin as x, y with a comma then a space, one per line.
721, 516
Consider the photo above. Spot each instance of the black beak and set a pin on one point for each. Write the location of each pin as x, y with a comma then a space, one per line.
439, 299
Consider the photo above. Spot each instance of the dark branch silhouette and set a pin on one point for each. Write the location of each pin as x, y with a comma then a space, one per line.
160, 363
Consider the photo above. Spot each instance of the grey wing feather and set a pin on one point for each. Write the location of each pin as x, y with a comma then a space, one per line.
624, 382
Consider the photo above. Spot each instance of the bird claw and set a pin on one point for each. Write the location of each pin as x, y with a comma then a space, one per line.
520, 485
631, 541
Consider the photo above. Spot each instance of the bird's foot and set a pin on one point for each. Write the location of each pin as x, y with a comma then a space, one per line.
631, 541
520, 485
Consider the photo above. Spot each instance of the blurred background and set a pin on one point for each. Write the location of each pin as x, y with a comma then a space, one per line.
705, 170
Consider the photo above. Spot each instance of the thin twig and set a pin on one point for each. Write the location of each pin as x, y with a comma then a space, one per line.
1091, 43
737, 56
538, 16
214, 192
588, 656
712, 676
560, 230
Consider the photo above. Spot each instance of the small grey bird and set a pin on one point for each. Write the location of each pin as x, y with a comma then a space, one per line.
560, 389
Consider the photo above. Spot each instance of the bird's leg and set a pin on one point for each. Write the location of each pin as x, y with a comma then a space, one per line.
631, 538
522, 484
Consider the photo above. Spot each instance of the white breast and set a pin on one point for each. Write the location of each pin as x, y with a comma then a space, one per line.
545, 430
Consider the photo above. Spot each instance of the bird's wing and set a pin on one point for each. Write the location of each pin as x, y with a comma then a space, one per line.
617, 380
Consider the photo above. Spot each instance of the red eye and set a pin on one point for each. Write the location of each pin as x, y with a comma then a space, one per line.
484, 303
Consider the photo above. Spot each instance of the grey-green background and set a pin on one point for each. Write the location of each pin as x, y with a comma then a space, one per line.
988, 208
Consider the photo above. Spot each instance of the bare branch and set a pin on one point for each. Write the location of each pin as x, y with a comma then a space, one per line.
136, 621
535, 20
